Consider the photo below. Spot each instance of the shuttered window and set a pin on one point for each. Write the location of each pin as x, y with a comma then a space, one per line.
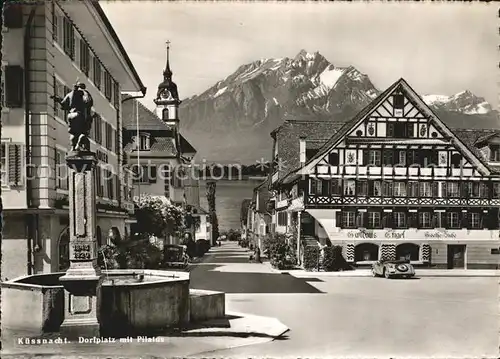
152, 174
348, 219
14, 81
116, 94
84, 57
69, 38
97, 124
97, 73
110, 184
399, 219
55, 23
425, 219
11, 164
453, 220
108, 85
59, 91
109, 135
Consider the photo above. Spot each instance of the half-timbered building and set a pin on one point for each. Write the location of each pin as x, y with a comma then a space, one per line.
396, 182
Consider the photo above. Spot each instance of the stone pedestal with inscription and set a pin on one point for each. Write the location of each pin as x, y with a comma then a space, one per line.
82, 281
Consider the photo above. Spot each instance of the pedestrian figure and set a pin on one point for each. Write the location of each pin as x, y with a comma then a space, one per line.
257, 255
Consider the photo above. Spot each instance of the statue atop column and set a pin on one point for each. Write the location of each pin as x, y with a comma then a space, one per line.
78, 102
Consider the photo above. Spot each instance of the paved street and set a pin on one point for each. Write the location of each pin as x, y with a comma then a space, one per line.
327, 316
351, 316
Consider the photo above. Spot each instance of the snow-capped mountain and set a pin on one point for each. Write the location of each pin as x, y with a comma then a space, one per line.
465, 102
232, 120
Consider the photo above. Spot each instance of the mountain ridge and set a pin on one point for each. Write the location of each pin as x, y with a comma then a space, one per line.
232, 120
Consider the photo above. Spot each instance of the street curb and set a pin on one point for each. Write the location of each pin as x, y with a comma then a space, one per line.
241, 330
305, 274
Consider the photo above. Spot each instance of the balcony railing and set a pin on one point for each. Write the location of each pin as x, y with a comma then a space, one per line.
323, 201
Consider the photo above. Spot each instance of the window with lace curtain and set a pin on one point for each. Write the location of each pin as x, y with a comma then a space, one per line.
453, 219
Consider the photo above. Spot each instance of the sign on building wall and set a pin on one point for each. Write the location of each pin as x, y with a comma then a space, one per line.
418, 234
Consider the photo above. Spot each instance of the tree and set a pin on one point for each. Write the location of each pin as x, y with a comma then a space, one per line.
157, 216
211, 209
245, 205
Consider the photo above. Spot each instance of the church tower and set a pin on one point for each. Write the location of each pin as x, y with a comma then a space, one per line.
167, 98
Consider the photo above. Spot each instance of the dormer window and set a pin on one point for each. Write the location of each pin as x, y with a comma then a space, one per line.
494, 153
144, 142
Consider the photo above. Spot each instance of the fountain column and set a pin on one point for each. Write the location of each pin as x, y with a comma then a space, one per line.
82, 281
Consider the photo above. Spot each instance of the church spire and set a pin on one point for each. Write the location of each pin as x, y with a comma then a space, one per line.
167, 89
167, 73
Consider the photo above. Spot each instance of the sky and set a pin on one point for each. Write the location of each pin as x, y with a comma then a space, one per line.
439, 48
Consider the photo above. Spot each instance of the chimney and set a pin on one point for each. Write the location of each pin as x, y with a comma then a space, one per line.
302, 150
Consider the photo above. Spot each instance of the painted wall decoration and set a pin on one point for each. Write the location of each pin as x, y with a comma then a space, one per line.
423, 130
350, 156
443, 159
371, 129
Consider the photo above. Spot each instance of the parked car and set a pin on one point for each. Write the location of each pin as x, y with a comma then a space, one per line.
175, 255
392, 269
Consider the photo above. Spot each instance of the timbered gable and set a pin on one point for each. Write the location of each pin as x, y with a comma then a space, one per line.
398, 116
399, 129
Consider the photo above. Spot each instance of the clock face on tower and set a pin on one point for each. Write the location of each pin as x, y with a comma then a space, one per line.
165, 94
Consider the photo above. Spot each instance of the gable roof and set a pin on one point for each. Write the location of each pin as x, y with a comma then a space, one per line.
186, 147
163, 146
287, 137
419, 104
163, 134
148, 121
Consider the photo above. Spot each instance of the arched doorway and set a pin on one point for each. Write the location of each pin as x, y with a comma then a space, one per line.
63, 249
407, 251
366, 252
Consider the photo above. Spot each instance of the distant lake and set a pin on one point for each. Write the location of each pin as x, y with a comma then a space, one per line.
228, 197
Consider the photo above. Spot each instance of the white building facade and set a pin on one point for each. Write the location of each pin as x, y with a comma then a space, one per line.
47, 48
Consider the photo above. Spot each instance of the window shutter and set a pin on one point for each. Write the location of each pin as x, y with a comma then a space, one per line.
465, 220
15, 164
313, 186
359, 219
435, 189
117, 188
493, 221
463, 189
410, 129
13, 16
386, 220
364, 219
411, 189
14, 81
390, 130
444, 190
413, 219
152, 173
365, 157
338, 219
325, 187
434, 221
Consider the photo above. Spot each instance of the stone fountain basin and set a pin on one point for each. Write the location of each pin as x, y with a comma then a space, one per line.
133, 301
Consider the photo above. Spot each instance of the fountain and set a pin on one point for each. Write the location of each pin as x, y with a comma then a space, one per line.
88, 302
130, 302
